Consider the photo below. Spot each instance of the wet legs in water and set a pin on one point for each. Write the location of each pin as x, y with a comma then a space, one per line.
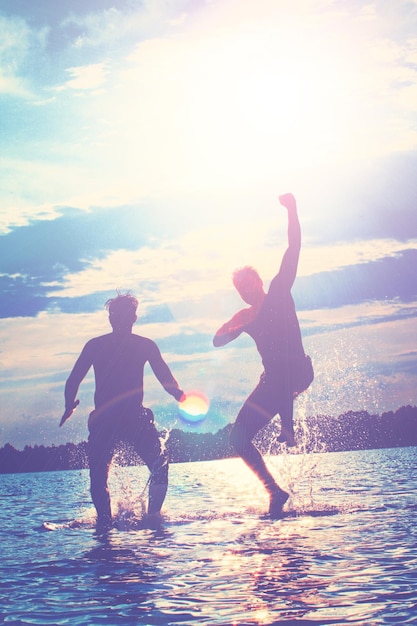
287, 423
158, 485
100, 494
252, 457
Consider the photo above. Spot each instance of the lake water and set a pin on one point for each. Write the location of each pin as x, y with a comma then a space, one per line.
346, 552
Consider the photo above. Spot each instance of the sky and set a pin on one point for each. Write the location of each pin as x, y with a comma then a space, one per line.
144, 146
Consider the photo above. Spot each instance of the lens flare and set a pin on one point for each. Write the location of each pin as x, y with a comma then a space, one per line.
194, 408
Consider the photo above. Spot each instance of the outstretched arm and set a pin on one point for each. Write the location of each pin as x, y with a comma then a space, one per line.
289, 264
233, 328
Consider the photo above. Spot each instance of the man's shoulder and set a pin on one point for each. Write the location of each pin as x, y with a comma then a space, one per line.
99, 339
108, 340
146, 346
278, 286
134, 337
95, 342
142, 340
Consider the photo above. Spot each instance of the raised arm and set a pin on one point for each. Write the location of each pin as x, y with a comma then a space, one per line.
164, 374
289, 264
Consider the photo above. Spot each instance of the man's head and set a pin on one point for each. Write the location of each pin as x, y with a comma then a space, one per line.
122, 311
249, 285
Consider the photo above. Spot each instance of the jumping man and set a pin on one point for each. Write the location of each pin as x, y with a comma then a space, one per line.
272, 322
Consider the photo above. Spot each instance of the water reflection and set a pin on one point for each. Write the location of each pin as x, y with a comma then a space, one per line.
216, 559
125, 571
280, 580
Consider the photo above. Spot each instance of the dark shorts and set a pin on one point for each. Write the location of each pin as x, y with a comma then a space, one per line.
271, 396
110, 431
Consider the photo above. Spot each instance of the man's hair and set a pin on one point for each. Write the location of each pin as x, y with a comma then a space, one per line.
243, 275
123, 306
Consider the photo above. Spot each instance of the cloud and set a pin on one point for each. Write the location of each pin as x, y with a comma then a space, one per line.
12, 85
375, 200
148, 127
172, 127
86, 77
76, 261
384, 279
17, 50
95, 28
384, 201
110, 26
45, 251
36, 258
241, 96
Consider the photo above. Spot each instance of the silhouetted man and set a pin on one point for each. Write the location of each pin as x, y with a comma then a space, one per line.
118, 359
272, 322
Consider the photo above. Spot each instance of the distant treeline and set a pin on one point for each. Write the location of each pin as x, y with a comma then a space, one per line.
351, 431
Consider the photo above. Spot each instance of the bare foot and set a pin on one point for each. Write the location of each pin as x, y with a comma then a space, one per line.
153, 521
103, 524
276, 503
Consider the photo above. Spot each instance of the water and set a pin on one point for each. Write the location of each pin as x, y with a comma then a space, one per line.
346, 553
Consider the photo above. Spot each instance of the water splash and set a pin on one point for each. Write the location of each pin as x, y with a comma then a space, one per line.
129, 506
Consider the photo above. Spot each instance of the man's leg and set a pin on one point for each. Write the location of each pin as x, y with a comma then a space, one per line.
100, 454
241, 440
251, 419
148, 445
287, 424
158, 484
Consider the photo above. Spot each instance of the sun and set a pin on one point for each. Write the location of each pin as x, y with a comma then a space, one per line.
263, 99
245, 104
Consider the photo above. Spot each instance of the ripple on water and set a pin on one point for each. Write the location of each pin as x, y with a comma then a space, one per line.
346, 552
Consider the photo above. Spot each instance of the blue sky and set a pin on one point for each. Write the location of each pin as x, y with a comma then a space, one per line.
144, 146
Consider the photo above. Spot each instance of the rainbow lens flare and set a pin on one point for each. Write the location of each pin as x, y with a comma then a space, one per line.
194, 408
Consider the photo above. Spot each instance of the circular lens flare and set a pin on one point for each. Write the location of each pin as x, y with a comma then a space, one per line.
194, 408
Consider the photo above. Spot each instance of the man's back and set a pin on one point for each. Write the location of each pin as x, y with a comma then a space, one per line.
118, 360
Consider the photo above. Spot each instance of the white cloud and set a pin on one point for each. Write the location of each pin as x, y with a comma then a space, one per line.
227, 105
201, 262
13, 85
333, 257
366, 314
86, 77
238, 97
100, 27
44, 345
33, 189
207, 111
37, 355
186, 267
112, 27
17, 42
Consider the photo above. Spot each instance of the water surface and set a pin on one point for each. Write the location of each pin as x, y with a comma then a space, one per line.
345, 553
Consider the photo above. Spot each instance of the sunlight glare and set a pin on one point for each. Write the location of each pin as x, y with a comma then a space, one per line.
236, 107
262, 100
195, 407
